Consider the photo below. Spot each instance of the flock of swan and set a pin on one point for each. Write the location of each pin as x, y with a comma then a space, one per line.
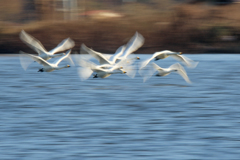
121, 62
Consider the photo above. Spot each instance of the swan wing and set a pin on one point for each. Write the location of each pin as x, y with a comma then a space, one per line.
108, 56
130, 70
39, 60
181, 71
99, 56
148, 71
69, 59
62, 58
125, 61
151, 70
117, 54
84, 73
25, 60
64, 45
187, 61
32, 42
144, 63
135, 42
156, 67
87, 64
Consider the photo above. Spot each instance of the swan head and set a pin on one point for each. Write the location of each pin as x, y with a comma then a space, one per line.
41, 70
180, 52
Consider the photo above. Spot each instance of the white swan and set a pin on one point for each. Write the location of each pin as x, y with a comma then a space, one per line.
49, 67
166, 71
88, 67
134, 43
37, 46
166, 53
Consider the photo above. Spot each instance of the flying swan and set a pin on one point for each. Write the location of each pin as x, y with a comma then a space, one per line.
166, 53
177, 68
49, 67
37, 46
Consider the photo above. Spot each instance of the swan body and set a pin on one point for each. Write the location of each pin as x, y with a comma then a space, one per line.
88, 67
37, 46
166, 53
107, 62
177, 68
49, 67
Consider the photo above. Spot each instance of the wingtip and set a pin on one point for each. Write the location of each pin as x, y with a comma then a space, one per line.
22, 31
69, 51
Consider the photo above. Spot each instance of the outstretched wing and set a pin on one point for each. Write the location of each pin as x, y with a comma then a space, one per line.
32, 42
64, 45
187, 61
99, 56
84, 73
135, 42
144, 63
39, 60
148, 71
181, 71
130, 70
85, 63
117, 54
62, 58
25, 60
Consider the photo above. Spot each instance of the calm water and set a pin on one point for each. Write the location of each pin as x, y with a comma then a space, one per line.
57, 116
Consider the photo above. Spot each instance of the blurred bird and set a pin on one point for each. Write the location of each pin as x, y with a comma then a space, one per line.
48, 67
177, 68
166, 53
37, 46
124, 51
88, 67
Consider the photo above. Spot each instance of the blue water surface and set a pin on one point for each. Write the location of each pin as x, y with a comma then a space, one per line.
57, 116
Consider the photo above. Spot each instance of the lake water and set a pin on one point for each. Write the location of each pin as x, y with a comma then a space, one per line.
57, 116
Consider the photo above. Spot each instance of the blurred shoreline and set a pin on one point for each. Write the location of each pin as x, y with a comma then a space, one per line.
188, 28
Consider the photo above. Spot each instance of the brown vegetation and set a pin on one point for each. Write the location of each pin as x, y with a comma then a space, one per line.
191, 28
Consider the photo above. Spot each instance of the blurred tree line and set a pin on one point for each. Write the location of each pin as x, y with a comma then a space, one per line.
166, 24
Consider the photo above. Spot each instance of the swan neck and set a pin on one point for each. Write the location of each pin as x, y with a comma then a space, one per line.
63, 67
